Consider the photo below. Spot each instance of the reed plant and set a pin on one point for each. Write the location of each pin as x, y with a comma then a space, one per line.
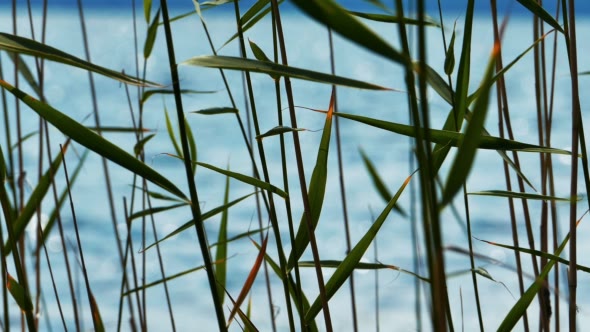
291, 160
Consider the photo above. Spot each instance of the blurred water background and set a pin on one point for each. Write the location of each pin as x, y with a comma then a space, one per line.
110, 33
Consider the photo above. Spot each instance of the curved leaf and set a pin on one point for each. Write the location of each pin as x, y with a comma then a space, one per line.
27, 46
92, 141
270, 68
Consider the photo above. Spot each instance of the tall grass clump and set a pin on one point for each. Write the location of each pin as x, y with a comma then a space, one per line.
297, 165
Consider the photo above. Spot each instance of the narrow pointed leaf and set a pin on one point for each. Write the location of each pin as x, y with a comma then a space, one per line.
150, 39
147, 8
519, 195
378, 182
25, 72
247, 179
364, 266
387, 18
18, 294
278, 130
450, 56
92, 141
138, 148
521, 305
191, 144
249, 280
536, 9
26, 46
236, 63
466, 154
334, 16
345, 269
217, 110
204, 217
96, 318
34, 201
221, 251
168, 278
259, 54
171, 134
316, 191
155, 210
452, 138
148, 93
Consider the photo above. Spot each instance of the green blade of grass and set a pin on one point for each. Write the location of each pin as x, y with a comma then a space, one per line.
364, 266
453, 138
92, 141
378, 182
316, 191
26, 46
171, 134
237, 63
466, 154
292, 290
150, 39
147, 9
204, 217
18, 294
192, 145
221, 252
278, 130
247, 179
520, 195
537, 10
155, 210
34, 201
259, 55
158, 282
24, 70
95, 312
138, 147
249, 280
538, 253
345, 269
148, 93
248, 234
338, 19
217, 110
521, 305
386, 18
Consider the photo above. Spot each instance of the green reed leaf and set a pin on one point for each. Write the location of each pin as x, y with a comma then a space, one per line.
316, 190
345, 269
461, 166
259, 54
278, 130
155, 210
378, 182
217, 110
452, 138
17, 44
34, 201
236, 63
537, 10
161, 281
221, 252
521, 305
92, 141
138, 147
247, 179
171, 133
450, 56
387, 18
519, 195
24, 70
19, 294
338, 19
204, 217
364, 266
147, 8
148, 93
150, 39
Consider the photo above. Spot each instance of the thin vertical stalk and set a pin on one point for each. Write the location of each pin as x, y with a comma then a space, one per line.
341, 181
262, 155
576, 126
79, 243
301, 172
195, 208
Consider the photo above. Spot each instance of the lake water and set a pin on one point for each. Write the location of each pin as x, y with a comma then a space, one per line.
219, 143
